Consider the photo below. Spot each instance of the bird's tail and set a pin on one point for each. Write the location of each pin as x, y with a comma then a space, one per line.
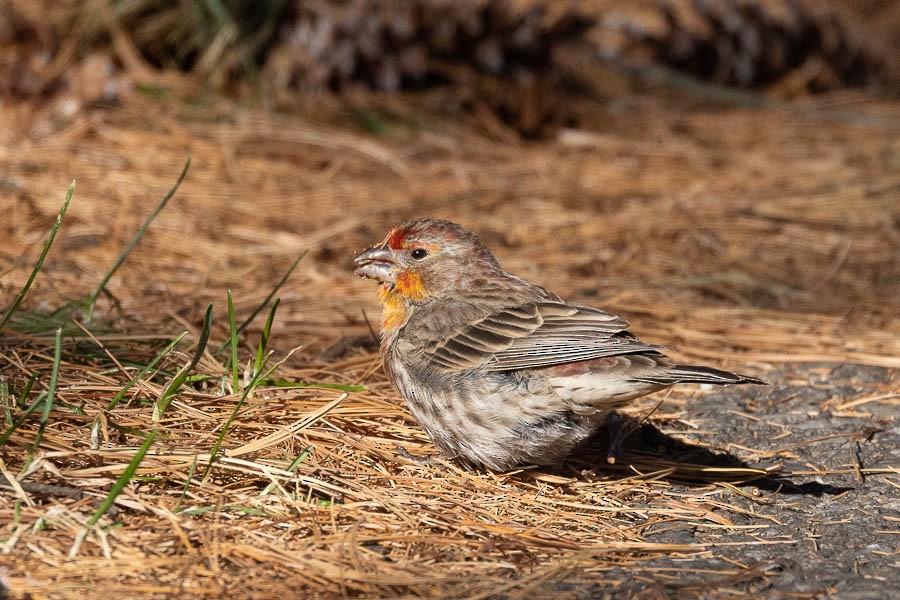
692, 374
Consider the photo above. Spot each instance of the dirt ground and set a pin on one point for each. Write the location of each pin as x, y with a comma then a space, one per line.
764, 239
814, 535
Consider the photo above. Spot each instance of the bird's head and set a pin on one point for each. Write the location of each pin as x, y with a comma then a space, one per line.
425, 259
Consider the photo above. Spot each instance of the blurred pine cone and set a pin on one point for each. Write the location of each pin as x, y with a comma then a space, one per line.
27, 48
746, 44
392, 44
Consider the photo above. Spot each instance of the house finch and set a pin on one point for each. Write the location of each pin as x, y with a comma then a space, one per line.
498, 370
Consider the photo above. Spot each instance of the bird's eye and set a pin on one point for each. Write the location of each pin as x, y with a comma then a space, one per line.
419, 253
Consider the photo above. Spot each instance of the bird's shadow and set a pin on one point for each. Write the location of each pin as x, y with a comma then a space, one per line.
624, 444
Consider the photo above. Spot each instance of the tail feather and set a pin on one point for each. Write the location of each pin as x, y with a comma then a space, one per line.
695, 374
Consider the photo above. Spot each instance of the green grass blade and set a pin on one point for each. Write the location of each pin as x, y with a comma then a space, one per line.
245, 43
264, 341
24, 416
26, 390
123, 480
127, 430
265, 374
219, 13
205, 509
187, 482
144, 370
270, 370
233, 339
304, 454
268, 298
40, 261
39, 325
6, 402
302, 384
178, 380
251, 386
261, 362
134, 241
51, 391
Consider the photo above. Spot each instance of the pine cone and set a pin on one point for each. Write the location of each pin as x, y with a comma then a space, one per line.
26, 49
742, 44
391, 45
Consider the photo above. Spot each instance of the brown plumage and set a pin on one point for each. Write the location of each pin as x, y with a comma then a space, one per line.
498, 370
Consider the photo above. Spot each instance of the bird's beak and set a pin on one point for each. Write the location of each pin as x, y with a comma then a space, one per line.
376, 263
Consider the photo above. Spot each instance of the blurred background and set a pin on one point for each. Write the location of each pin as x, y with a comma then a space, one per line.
651, 156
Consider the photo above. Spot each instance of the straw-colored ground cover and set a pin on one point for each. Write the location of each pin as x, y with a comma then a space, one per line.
760, 239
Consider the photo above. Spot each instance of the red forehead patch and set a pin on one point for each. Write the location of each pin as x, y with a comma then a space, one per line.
396, 238
399, 237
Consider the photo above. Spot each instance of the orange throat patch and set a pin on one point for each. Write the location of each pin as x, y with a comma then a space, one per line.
395, 299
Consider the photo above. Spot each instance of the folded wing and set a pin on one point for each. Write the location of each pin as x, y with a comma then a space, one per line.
534, 335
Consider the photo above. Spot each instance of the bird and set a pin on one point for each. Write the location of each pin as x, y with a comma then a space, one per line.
499, 371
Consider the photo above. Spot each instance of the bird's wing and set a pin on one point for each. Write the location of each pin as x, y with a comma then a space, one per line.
535, 335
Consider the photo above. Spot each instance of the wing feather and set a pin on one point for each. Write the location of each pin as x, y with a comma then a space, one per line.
535, 335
